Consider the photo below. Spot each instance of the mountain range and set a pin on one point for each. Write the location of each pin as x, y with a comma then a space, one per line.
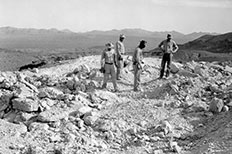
23, 38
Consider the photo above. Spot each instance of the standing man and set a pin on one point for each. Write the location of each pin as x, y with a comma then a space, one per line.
120, 51
168, 47
138, 64
108, 61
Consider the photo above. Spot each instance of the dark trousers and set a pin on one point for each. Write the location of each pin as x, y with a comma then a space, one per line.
167, 58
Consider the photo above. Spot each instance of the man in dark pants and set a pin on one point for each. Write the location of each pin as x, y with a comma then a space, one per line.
168, 47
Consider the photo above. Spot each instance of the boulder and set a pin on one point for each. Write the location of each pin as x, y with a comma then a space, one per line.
83, 110
8, 79
198, 70
8, 130
25, 104
186, 73
228, 69
23, 91
174, 68
57, 113
216, 105
49, 92
106, 96
5, 98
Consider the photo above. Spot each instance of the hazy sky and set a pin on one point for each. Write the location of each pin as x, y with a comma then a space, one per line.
185, 16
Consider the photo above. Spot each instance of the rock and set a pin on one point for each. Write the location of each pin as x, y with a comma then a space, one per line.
49, 92
25, 104
8, 79
106, 96
83, 110
230, 103
57, 113
35, 70
23, 91
198, 70
167, 127
83, 94
225, 108
38, 126
174, 146
46, 102
186, 73
81, 124
228, 69
154, 138
90, 120
158, 152
8, 130
143, 123
5, 98
174, 68
10, 116
70, 83
216, 105
55, 138
93, 74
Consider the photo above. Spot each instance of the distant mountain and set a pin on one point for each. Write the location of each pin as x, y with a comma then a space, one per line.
25, 31
213, 43
30, 38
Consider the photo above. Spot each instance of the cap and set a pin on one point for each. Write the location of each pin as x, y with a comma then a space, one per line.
122, 36
109, 45
143, 42
169, 36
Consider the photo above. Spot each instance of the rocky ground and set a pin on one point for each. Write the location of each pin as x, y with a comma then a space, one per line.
62, 110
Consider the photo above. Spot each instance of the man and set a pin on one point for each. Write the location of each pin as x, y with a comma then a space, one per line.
168, 47
138, 64
120, 51
108, 61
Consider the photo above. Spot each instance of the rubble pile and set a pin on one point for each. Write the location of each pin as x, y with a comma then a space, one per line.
71, 114
43, 105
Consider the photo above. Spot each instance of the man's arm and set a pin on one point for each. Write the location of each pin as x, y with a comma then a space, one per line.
118, 48
175, 46
102, 58
161, 45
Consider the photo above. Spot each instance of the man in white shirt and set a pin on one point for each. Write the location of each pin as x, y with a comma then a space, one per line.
120, 51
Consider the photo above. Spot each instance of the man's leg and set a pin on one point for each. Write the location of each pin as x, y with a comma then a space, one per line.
113, 77
169, 61
139, 79
162, 66
119, 69
106, 76
135, 77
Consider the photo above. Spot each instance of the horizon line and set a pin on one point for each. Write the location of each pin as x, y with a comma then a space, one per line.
127, 28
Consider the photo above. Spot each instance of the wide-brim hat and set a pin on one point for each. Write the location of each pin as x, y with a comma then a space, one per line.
122, 36
109, 45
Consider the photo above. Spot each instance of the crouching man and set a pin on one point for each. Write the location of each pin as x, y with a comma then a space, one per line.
108, 62
138, 64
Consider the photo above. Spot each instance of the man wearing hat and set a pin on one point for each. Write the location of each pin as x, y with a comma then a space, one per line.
108, 61
138, 64
120, 51
168, 47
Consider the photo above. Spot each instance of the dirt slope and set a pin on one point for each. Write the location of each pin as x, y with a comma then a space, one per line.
71, 114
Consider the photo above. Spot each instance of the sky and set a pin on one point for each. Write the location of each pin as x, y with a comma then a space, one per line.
185, 16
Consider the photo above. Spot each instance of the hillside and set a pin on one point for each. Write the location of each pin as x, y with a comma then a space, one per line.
216, 44
63, 110
204, 48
